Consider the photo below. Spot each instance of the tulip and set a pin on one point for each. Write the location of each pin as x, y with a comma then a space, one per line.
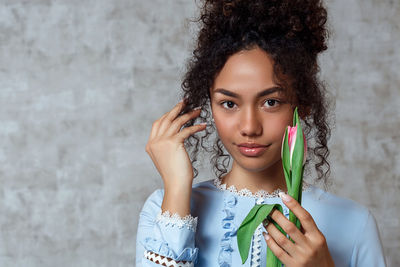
292, 133
294, 154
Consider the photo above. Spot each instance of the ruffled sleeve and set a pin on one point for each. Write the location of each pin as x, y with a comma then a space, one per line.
164, 234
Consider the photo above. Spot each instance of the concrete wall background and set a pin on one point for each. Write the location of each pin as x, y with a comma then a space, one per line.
81, 83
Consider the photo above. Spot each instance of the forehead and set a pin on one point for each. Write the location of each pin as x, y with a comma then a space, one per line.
247, 72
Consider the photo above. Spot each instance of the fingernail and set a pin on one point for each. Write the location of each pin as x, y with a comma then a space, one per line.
267, 237
284, 197
196, 108
183, 99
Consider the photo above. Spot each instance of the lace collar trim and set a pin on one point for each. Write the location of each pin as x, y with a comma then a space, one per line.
247, 193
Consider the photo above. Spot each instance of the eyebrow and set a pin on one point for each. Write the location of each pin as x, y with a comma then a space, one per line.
265, 92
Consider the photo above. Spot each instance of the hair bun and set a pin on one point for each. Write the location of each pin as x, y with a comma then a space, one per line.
303, 21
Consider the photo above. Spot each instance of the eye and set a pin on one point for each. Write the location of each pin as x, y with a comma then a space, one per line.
272, 102
228, 104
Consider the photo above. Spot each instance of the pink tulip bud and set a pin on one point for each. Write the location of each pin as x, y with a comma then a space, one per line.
292, 133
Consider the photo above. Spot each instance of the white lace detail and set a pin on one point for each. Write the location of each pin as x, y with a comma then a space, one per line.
247, 193
256, 247
163, 260
166, 218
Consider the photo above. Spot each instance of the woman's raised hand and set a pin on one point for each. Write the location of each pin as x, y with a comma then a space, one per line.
166, 149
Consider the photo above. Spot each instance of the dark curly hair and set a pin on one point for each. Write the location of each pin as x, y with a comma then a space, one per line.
293, 33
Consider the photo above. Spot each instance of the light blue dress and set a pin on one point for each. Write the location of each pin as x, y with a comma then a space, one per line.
208, 237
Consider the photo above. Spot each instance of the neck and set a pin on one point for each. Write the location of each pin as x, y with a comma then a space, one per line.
268, 180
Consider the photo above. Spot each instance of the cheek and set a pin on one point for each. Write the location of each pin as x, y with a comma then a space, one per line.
224, 124
225, 127
280, 125
274, 127
277, 125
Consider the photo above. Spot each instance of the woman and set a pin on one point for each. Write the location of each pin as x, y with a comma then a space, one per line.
255, 61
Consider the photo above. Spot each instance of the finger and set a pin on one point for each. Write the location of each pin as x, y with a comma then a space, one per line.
166, 119
276, 249
185, 133
304, 216
289, 227
177, 124
175, 111
156, 126
281, 239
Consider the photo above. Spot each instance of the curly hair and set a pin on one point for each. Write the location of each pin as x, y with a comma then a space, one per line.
293, 33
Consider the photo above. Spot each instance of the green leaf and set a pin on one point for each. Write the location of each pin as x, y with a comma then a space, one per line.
295, 117
300, 191
246, 230
272, 260
250, 216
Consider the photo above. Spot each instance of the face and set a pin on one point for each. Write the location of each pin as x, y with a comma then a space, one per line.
250, 109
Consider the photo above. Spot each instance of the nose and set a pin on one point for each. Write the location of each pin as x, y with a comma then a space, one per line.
250, 123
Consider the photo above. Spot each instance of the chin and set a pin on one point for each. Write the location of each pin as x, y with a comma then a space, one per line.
255, 164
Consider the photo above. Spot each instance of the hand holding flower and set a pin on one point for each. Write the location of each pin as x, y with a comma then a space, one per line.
309, 247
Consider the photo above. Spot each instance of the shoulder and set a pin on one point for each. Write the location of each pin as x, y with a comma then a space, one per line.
342, 220
204, 186
334, 214
320, 200
350, 228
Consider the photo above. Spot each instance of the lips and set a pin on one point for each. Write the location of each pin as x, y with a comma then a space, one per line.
252, 149
252, 145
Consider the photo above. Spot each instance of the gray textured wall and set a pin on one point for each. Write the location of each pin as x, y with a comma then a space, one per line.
81, 83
